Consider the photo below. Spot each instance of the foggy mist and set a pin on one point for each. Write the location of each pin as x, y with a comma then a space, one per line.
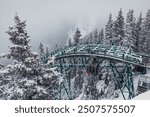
49, 21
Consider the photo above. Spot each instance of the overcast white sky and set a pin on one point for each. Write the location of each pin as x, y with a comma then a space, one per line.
48, 21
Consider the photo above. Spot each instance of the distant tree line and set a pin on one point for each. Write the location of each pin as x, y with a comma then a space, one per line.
128, 32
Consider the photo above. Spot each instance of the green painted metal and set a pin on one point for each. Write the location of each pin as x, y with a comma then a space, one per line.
119, 77
114, 51
123, 78
62, 86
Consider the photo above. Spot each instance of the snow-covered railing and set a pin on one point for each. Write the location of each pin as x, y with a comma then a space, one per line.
115, 52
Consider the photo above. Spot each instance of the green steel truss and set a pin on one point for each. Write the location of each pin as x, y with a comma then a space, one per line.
118, 58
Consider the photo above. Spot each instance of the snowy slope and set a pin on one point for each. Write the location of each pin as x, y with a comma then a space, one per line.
143, 96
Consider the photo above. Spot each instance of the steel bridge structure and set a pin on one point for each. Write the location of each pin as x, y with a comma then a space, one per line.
119, 59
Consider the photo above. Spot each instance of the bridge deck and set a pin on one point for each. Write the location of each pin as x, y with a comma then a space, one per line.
116, 53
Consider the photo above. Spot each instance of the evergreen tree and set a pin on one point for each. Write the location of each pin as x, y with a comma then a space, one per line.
129, 40
90, 90
47, 52
56, 48
20, 50
41, 49
26, 78
118, 29
69, 43
101, 37
146, 33
46, 55
76, 37
138, 33
41, 52
91, 38
95, 36
109, 30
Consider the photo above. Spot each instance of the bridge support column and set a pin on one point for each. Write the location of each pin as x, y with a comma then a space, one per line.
130, 82
62, 87
123, 80
61, 66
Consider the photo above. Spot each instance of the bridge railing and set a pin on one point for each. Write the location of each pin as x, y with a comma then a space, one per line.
100, 49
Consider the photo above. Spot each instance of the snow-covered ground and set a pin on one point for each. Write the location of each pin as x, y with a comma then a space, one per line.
143, 96
146, 95
136, 79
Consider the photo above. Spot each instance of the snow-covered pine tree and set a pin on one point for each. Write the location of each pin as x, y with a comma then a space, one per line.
91, 38
138, 33
26, 78
46, 54
76, 37
108, 30
118, 29
95, 36
20, 50
69, 42
129, 39
146, 33
56, 48
90, 89
41, 52
101, 37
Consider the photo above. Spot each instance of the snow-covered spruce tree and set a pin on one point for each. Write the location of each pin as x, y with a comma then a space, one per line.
129, 39
26, 78
138, 33
101, 37
47, 53
41, 52
78, 82
91, 38
90, 90
108, 30
76, 37
95, 36
145, 36
118, 29
20, 50
69, 43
